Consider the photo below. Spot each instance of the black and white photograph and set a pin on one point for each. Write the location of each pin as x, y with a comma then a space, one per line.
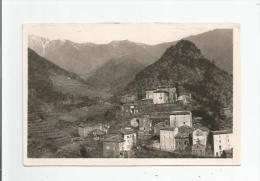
144, 93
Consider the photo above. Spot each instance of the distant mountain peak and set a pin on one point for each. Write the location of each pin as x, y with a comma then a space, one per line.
184, 48
126, 42
186, 44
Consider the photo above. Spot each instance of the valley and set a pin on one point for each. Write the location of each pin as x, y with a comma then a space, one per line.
84, 99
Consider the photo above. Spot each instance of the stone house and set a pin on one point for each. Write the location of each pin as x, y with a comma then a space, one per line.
200, 134
184, 99
160, 97
159, 123
199, 149
149, 93
85, 129
167, 138
170, 91
222, 141
113, 146
183, 138
130, 108
98, 134
158, 127
130, 138
145, 124
128, 98
180, 118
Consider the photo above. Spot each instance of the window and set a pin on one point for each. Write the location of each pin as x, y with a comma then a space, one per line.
183, 122
219, 147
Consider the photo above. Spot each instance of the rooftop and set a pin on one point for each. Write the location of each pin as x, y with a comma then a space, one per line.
114, 138
180, 113
127, 131
222, 132
98, 132
161, 91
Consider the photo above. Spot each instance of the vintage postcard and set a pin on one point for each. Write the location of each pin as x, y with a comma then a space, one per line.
131, 94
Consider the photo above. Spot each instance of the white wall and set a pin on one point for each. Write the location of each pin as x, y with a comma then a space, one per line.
202, 138
180, 120
160, 98
223, 140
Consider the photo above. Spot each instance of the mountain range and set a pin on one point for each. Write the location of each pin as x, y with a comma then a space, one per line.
184, 66
108, 68
85, 58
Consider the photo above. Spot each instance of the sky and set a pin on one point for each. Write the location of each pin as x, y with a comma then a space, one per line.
148, 33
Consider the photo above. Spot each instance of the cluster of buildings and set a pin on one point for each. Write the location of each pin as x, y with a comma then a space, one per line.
160, 95
176, 130
171, 129
96, 131
121, 144
115, 145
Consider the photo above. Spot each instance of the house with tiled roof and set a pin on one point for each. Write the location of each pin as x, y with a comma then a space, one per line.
160, 97
200, 134
180, 118
113, 146
167, 138
128, 98
222, 141
183, 138
85, 129
199, 149
130, 138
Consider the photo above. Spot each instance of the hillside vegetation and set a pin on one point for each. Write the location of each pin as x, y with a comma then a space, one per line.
184, 66
115, 74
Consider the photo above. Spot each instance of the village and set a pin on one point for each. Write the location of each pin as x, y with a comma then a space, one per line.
159, 125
